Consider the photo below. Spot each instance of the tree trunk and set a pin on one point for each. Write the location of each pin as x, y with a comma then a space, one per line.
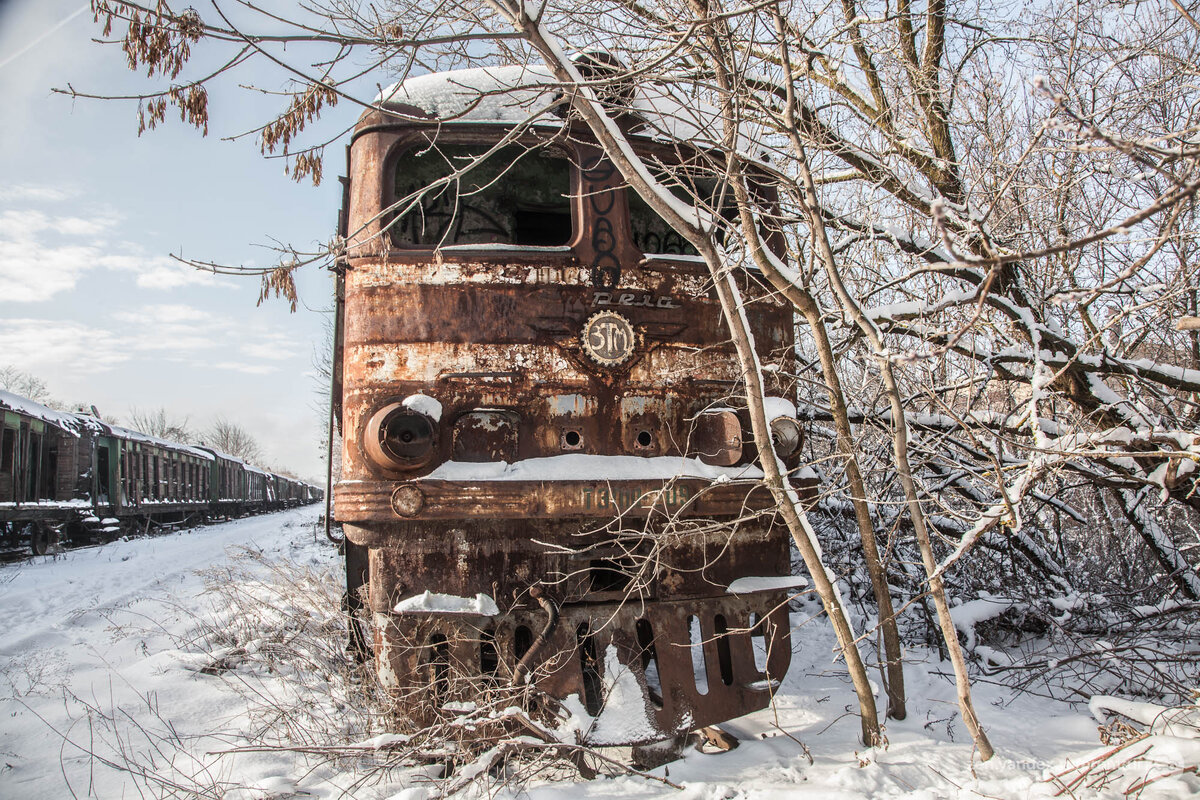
617, 147
900, 452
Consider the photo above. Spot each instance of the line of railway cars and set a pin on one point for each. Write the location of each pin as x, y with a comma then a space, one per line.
73, 478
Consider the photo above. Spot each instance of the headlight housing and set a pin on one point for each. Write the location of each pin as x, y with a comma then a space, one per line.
786, 436
400, 438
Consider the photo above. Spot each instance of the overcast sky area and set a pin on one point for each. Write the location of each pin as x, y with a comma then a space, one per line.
91, 300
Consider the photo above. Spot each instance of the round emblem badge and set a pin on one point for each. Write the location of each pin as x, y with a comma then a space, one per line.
608, 338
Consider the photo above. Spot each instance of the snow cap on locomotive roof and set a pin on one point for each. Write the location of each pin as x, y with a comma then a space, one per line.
73, 424
526, 93
166, 444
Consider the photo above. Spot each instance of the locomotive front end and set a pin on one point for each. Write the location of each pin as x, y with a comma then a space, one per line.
548, 481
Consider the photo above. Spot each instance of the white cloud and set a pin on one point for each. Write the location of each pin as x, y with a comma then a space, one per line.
22, 224
31, 274
177, 332
183, 333
167, 332
41, 254
272, 348
78, 226
46, 347
251, 369
158, 272
173, 275
168, 313
38, 193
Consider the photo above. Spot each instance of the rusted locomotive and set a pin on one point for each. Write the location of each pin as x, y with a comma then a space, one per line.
547, 477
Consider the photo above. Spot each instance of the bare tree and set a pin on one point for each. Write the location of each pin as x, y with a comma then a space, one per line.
25, 384
233, 439
156, 422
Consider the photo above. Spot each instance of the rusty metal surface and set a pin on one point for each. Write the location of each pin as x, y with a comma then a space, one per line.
522, 352
504, 558
694, 661
530, 353
440, 499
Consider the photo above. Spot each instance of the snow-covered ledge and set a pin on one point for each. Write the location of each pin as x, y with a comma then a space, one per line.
581, 467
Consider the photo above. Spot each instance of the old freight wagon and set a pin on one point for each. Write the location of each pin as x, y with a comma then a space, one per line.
548, 476
72, 478
46, 471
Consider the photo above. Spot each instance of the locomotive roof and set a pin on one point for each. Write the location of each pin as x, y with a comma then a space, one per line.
483, 94
524, 93
73, 424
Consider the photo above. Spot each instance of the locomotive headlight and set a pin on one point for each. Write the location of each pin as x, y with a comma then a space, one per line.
399, 437
785, 435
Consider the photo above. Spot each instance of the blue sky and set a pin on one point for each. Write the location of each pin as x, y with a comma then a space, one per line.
90, 300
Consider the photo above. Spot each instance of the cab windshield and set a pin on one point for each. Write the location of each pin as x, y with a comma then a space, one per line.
515, 196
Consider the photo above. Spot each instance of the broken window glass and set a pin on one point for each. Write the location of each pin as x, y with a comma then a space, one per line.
515, 196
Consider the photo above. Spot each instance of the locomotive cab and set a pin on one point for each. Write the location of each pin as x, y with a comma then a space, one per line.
548, 479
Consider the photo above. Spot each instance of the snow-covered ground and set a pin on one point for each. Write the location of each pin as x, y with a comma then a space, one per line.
103, 650
99, 629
